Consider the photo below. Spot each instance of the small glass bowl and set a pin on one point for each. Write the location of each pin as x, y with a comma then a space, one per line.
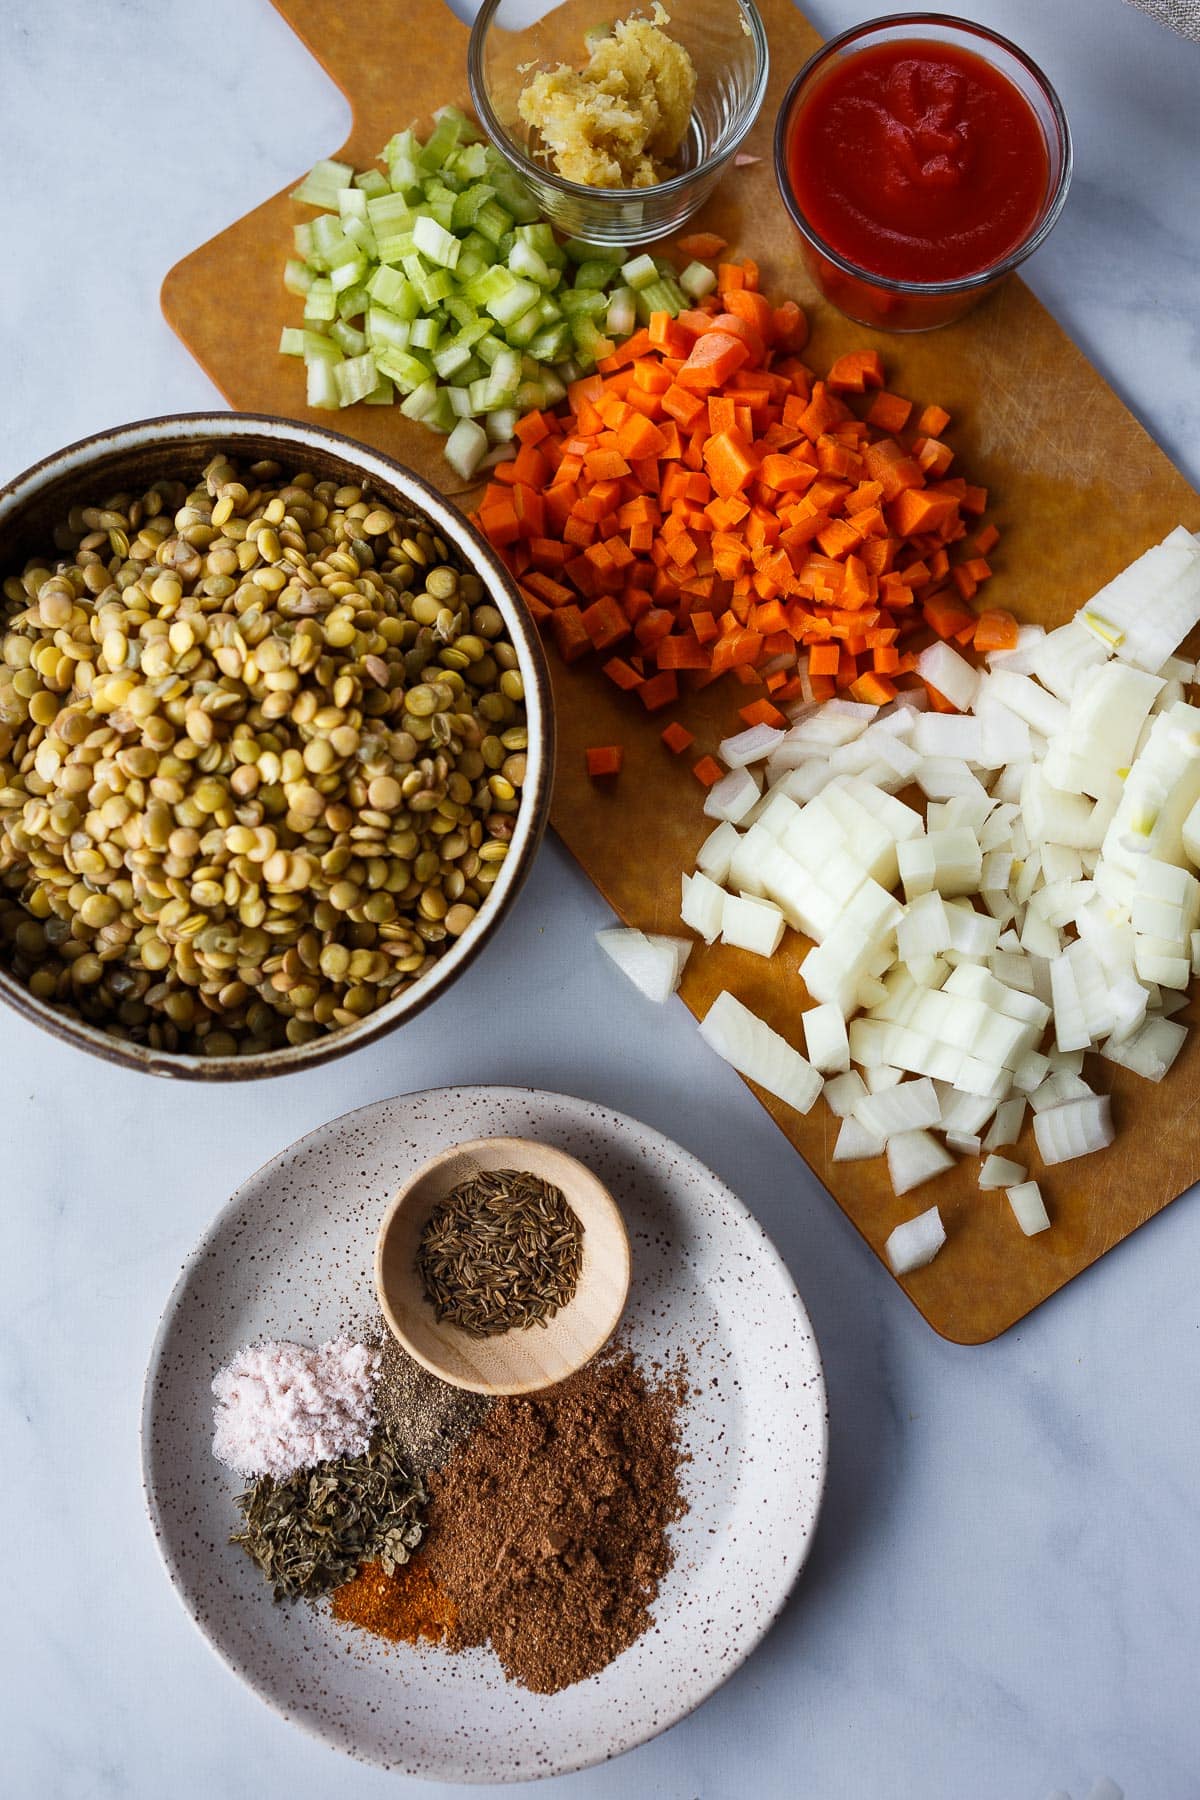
727, 42
893, 305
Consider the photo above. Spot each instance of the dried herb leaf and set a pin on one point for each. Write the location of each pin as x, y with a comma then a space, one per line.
311, 1532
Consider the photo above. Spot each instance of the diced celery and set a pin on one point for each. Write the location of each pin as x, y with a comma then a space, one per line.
471, 264
698, 280
580, 252
424, 333
450, 359
554, 381
470, 162
507, 308
513, 194
359, 232
656, 297
593, 275
589, 340
531, 397
435, 286
394, 290
319, 348
437, 203
386, 332
501, 424
352, 302
402, 367
492, 222
524, 329
320, 303
480, 393
291, 341
348, 339
460, 401
443, 138
352, 204
297, 276
489, 348
640, 272
354, 379
373, 182
382, 394
435, 243
322, 390
331, 246
582, 303
526, 261
421, 402
302, 241
443, 417
323, 183
469, 203
466, 448
347, 275
389, 214
551, 342
621, 319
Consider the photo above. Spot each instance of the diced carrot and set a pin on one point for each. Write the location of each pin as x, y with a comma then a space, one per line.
888, 412
569, 633
823, 659
659, 691
623, 674
604, 759
761, 712
713, 360
605, 623
855, 372
995, 630
933, 421
708, 771
684, 651
703, 246
986, 540
677, 738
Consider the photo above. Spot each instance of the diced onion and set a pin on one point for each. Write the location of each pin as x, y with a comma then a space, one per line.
1028, 1207
759, 1053
1077, 1128
913, 1158
654, 965
916, 1242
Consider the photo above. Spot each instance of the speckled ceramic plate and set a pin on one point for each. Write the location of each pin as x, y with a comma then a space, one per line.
290, 1256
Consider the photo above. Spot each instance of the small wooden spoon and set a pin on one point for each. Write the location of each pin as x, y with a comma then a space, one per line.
523, 1360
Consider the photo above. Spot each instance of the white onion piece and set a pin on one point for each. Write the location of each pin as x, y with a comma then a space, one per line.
1077, 1128
916, 1242
1150, 1051
963, 1143
759, 1053
951, 674
1006, 1127
1147, 610
825, 1038
883, 1077
855, 1143
999, 1172
751, 746
1064, 656
1028, 638
680, 948
732, 797
913, 1158
717, 852
1029, 1208
652, 966
703, 906
843, 1093
750, 924
911, 1106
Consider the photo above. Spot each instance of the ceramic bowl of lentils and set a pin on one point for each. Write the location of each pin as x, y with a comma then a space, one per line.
276, 745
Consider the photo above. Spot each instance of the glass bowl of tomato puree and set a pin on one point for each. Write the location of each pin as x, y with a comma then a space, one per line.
922, 158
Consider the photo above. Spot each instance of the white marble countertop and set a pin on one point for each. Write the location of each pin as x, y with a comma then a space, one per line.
1004, 1592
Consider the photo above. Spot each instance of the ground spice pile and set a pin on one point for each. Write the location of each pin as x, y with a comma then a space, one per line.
548, 1528
429, 1417
405, 1606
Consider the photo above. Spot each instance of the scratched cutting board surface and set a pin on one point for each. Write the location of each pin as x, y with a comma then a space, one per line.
1078, 489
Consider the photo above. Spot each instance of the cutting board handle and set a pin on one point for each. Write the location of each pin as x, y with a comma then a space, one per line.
420, 39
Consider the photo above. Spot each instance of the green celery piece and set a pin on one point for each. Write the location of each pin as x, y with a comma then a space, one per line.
589, 340
421, 401
470, 162
359, 232
514, 196
386, 331
302, 242
507, 308
401, 366
461, 311
489, 348
466, 448
450, 360
373, 182
493, 222
351, 204
354, 379
481, 395
352, 302
323, 183
531, 397
527, 262
698, 280
424, 333
382, 394
593, 275
321, 390
291, 341
621, 318
297, 276
389, 214
405, 177
524, 329
330, 243
394, 290
434, 287
436, 244
348, 275
555, 386
438, 208
500, 426
467, 205
551, 343
320, 303
460, 400
658, 297
582, 303
471, 264
639, 272
349, 340
579, 252
505, 377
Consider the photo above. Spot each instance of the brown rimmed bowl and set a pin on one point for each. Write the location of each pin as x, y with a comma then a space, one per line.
176, 447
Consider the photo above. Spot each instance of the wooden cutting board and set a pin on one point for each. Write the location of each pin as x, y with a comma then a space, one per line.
1078, 489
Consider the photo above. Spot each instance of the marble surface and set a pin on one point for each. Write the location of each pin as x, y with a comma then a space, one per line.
1003, 1595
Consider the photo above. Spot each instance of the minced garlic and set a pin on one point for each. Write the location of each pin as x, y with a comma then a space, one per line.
617, 122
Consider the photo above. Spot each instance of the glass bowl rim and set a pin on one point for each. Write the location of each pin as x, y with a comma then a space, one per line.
961, 284
576, 189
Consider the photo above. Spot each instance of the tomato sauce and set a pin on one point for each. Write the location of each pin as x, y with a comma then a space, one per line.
918, 161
